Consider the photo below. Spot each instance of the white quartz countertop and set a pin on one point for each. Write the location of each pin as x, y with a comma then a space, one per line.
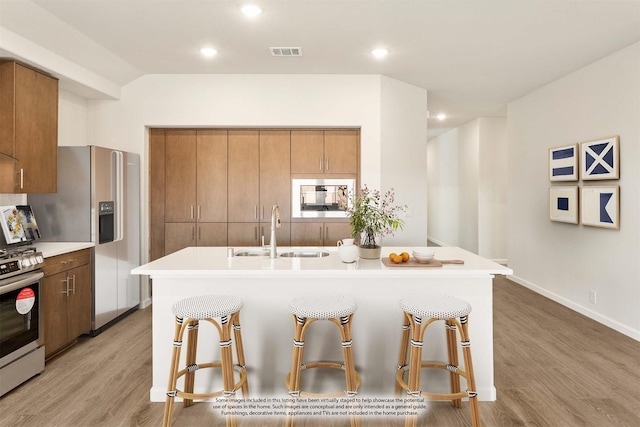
50, 249
213, 262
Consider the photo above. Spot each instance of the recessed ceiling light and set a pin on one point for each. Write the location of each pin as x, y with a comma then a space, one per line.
441, 116
251, 10
380, 52
208, 52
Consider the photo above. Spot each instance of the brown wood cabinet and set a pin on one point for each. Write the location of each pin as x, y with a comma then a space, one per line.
319, 233
188, 170
216, 187
325, 151
28, 130
66, 296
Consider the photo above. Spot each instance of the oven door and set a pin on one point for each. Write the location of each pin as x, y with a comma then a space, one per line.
20, 330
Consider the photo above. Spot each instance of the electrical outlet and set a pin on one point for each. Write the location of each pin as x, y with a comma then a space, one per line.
592, 297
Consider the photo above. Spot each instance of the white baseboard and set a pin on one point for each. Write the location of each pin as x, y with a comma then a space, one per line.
144, 303
613, 324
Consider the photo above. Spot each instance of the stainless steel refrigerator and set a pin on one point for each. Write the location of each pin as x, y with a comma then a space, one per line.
98, 200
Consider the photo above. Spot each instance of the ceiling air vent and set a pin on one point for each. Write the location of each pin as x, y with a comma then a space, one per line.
286, 51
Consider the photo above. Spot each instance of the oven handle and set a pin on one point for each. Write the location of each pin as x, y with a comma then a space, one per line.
29, 279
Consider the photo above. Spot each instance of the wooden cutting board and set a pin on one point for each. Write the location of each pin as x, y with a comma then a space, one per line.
413, 263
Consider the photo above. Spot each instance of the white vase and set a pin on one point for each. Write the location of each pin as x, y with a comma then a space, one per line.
347, 251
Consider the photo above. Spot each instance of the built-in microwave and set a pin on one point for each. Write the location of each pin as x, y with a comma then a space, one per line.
321, 198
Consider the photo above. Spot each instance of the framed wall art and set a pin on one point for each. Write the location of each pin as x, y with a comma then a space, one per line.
563, 204
600, 159
563, 163
600, 206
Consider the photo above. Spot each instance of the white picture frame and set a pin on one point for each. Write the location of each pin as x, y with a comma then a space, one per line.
563, 204
600, 206
563, 163
600, 159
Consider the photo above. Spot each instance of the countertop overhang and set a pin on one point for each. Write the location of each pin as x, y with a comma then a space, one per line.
213, 262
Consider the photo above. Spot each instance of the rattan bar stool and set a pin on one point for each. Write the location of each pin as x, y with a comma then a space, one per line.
420, 311
339, 310
188, 313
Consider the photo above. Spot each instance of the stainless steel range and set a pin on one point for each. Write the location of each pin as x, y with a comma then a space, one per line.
21, 338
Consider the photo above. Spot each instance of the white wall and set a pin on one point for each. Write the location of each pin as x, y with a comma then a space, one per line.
565, 261
467, 169
267, 101
404, 157
492, 188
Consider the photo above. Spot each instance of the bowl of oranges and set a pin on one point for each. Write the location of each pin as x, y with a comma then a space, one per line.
399, 258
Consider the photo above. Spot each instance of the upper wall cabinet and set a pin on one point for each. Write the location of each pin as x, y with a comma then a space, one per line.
324, 152
28, 130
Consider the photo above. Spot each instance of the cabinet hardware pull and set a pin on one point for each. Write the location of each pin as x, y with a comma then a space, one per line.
326, 234
66, 281
21, 178
193, 233
198, 211
199, 233
320, 163
320, 234
255, 212
256, 233
327, 170
74, 284
191, 211
262, 214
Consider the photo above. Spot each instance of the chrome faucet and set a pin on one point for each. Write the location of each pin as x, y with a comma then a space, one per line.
275, 223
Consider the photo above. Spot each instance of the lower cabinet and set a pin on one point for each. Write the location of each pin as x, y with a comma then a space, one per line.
251, 234
66, 296
180, 235
319, 233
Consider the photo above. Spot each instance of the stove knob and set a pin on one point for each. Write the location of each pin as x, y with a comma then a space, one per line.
25, 262
39, 259
33, 260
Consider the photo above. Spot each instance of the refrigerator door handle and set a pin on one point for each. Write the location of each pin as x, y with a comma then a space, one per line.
119, 192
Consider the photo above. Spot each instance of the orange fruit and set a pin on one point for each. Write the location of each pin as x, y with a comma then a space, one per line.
405, 256
397, 259
392, 255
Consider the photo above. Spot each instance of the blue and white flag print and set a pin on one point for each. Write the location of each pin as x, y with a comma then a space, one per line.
563, 163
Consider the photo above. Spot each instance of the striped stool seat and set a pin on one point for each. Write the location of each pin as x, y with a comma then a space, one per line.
420, 311
339, 310
223, 312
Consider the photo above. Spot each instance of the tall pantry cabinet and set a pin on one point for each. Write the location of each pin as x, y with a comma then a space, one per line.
188, 192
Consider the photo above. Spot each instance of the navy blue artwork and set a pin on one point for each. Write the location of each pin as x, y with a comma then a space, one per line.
604, 200
563, 203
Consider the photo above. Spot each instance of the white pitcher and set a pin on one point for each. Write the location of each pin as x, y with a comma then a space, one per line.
347, 251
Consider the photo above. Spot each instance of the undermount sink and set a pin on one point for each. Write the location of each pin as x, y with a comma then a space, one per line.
304, 254
252, 253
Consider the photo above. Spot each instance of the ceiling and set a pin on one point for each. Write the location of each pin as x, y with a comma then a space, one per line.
472, 56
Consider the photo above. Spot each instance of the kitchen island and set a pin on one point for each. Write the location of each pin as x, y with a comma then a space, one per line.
266, 286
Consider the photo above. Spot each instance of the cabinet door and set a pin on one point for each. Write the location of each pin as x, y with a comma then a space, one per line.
275, 175
37, 130
341, 151
212, 176
54, 310
156, 193
212, 234
179, 235
307, 233
244, 176
180, 176
307, 151
334, 231
79, 301
283, 234
243, 234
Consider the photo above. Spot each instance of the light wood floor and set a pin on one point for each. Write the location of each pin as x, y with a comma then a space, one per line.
553, 367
